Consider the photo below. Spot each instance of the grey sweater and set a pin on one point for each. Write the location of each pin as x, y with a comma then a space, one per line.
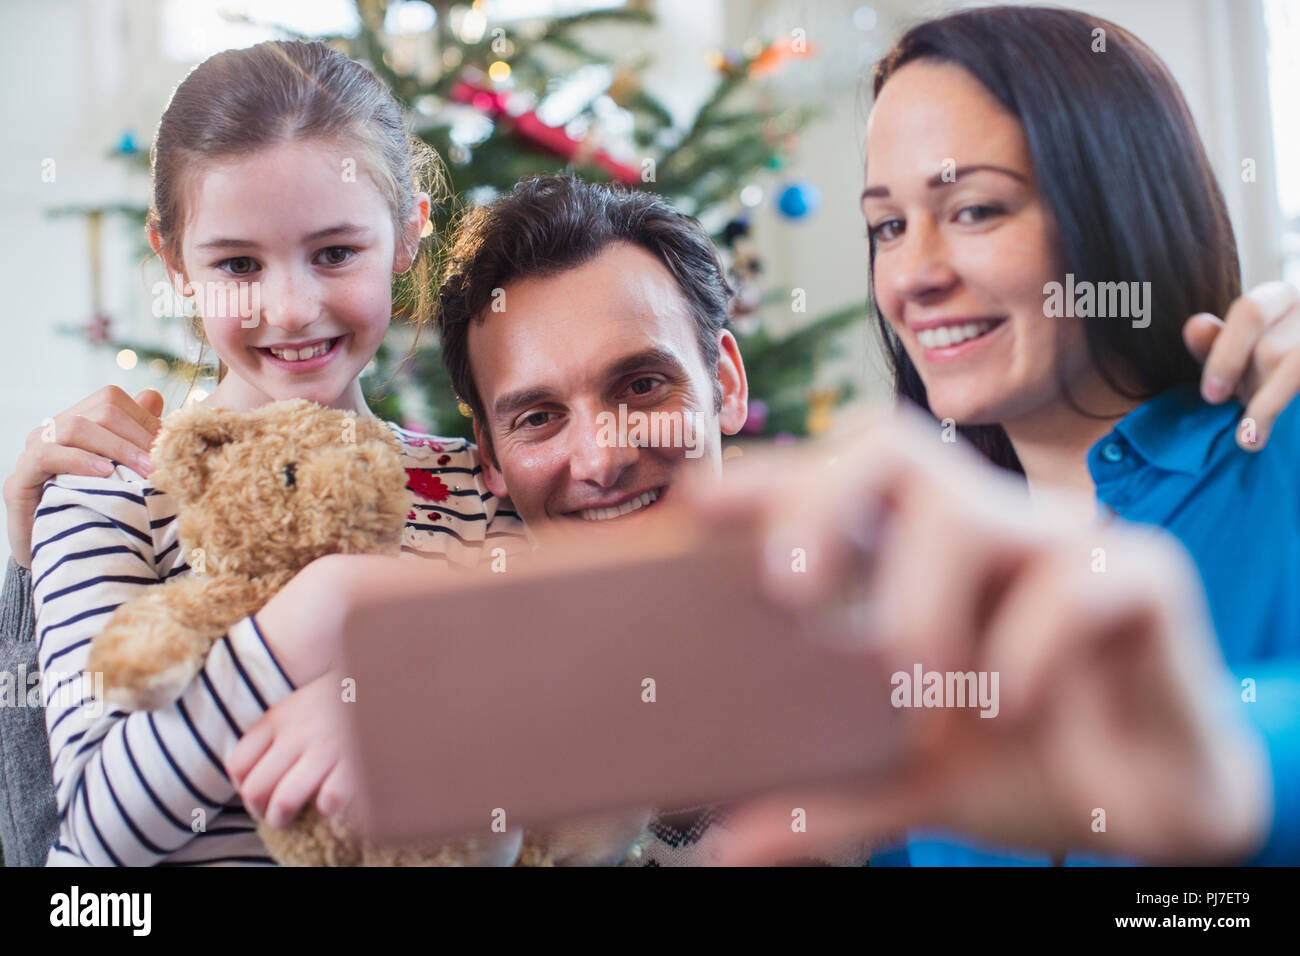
29, 819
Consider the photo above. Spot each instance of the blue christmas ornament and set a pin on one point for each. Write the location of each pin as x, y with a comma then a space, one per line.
798, 200
126, 144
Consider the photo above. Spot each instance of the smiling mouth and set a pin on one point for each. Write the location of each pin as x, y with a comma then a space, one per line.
639, 503
304, 352
945, 336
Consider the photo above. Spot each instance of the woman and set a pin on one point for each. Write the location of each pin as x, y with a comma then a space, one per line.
1012, 157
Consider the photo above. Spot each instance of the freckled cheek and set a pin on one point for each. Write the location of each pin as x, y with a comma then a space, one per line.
228, 337
365, 304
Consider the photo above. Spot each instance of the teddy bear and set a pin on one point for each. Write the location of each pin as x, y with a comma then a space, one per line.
260, 495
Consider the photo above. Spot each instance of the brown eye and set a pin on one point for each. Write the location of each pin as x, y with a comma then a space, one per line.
290, 475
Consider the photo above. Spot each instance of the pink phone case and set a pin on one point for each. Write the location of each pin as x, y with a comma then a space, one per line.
526, 692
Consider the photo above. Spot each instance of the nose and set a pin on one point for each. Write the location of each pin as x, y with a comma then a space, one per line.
600, 453
289, 300
920, 265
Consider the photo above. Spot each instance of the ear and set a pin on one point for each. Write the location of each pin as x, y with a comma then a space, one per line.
412, 230
370, 428
735, 387
492, 477
175, 269
182, 451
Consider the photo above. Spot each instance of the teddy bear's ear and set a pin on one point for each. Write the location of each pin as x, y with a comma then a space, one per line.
370, 428
183, 449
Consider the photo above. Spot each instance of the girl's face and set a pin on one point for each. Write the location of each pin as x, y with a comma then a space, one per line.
312, 237
964, 246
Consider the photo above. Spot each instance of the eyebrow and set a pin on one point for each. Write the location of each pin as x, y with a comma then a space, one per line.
343, 230
937, 179
512, 402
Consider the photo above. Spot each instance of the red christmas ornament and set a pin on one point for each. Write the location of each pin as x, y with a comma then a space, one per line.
553, 139
426, 485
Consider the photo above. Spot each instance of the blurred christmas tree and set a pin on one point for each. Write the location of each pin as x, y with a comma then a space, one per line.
500, 101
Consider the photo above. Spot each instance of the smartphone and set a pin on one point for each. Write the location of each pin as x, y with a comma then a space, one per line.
655, 673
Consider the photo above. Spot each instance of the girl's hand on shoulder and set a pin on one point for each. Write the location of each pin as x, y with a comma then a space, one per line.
1252, 353
86, 439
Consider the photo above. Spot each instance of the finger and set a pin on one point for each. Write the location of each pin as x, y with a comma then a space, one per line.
338, 789
125, 418
298, 785
812, 542
1230, 355
798, 826
249, 750
1275, 299
113, 436
1273, 397
1066, 607
1199, 334
37, 467
261, 780
744, 488
150, 401
110, 396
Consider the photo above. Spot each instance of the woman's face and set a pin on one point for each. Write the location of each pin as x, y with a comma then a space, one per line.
964, 246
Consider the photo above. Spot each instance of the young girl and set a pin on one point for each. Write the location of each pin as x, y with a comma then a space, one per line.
289, 166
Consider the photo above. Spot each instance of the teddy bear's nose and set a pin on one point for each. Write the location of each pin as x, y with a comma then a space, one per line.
290, 475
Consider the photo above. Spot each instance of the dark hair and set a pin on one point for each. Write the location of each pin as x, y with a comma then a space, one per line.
1120, 165
549, 224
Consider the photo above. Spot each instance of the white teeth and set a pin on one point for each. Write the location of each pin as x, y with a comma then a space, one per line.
945, 335
635, 504
301, 355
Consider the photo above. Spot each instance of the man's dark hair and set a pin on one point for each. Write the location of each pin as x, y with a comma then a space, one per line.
549, 224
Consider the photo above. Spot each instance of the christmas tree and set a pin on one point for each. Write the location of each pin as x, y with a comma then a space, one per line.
503, 101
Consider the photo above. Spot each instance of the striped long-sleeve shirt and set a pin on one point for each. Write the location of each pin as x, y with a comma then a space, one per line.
149, 787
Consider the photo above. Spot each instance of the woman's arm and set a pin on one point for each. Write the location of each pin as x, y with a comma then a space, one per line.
1109, 691
1273, 709
107, 427
131, 789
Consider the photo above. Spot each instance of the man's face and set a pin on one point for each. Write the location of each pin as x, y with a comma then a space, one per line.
595, 394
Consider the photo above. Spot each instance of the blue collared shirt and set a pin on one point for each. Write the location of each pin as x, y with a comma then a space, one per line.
1174, 462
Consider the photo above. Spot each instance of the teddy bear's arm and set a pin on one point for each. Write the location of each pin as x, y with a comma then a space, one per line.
153, 646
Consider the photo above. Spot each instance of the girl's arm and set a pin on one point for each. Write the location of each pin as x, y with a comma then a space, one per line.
131, 789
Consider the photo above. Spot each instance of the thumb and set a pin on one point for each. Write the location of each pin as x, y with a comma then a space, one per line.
1199, 333
151, 401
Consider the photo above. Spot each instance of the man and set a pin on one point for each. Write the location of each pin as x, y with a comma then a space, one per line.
586, 329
